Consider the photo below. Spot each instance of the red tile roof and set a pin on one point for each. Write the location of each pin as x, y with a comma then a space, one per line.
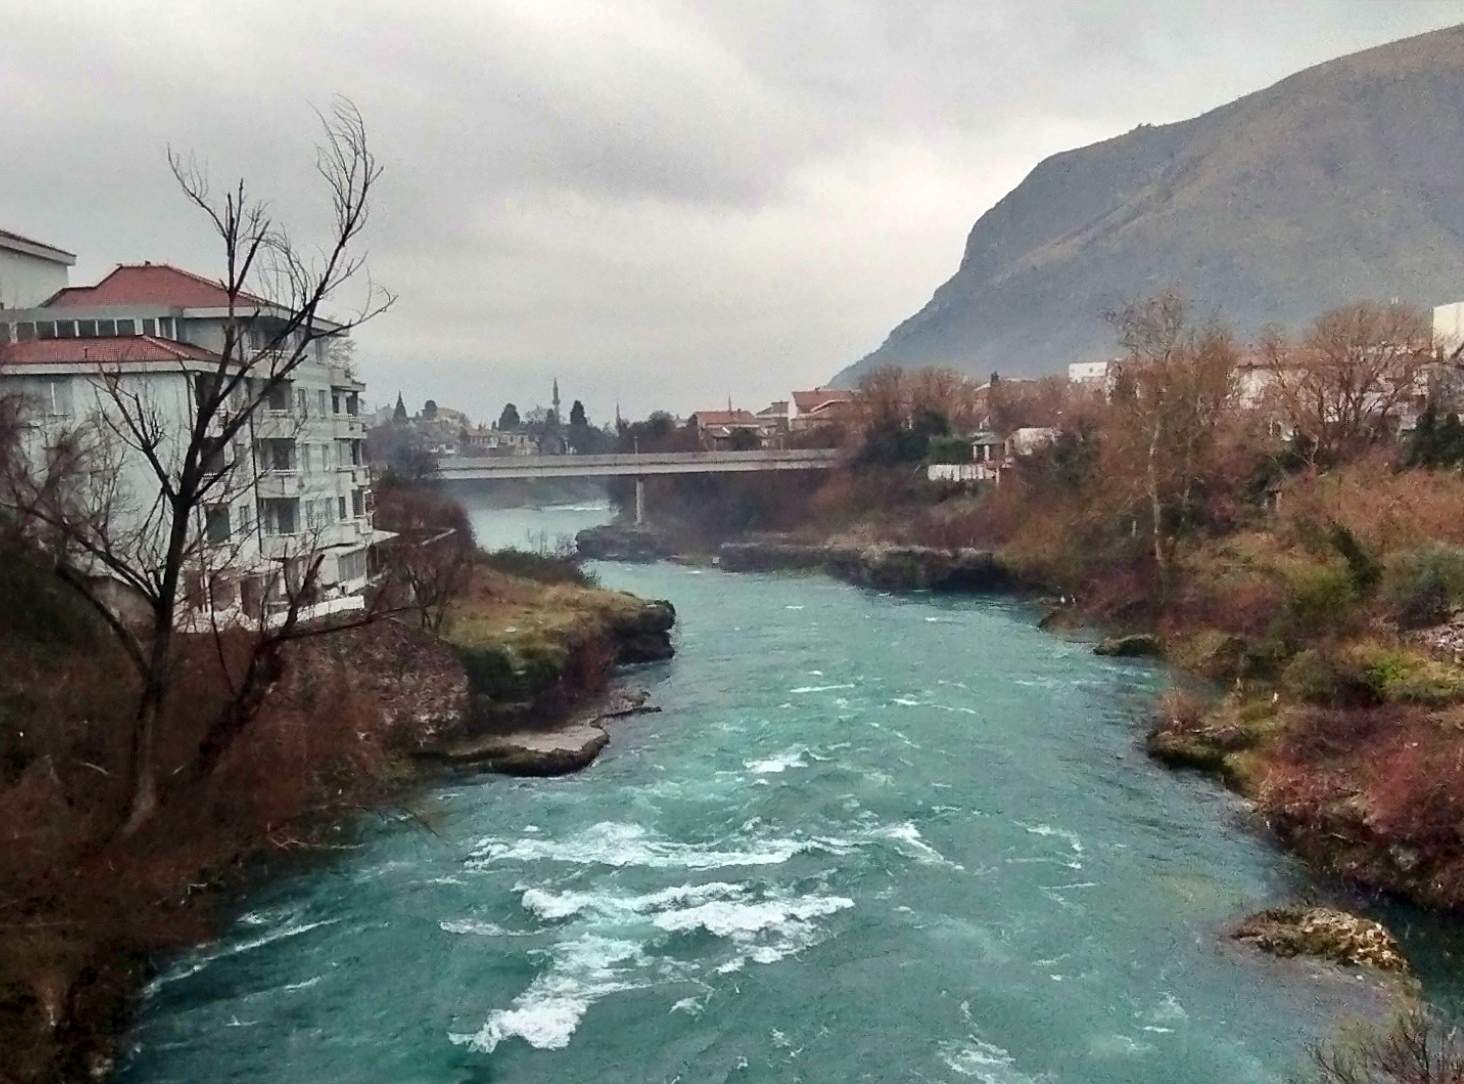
815, 398
151, 284
725, 417
115, 350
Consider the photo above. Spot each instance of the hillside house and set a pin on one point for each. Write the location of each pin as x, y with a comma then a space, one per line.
817, 407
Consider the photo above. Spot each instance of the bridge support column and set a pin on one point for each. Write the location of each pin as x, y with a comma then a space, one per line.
640, 501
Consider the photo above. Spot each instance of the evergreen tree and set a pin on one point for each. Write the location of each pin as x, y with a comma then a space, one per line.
429, 409
577, 417
509, 419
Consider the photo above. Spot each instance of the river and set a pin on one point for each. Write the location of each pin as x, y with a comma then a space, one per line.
869, 838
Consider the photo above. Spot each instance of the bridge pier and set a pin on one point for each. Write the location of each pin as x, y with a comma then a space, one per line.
640, 501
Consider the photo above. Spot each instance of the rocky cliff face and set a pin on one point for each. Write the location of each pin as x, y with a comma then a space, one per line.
1340, 182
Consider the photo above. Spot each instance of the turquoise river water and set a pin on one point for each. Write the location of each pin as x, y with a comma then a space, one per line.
869, 838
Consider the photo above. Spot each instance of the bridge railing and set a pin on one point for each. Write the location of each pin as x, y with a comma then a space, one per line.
622, 459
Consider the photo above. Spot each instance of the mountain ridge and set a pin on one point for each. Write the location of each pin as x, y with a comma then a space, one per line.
1340, 181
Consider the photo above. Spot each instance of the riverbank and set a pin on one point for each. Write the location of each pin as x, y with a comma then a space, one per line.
351, 726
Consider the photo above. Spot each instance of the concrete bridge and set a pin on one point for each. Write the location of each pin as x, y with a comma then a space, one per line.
639, 466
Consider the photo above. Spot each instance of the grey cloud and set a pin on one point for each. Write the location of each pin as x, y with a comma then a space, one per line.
658, 201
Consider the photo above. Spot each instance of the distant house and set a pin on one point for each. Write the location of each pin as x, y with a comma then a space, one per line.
1025, 441
988, 459
30, 271
485, 441
1098, 376
774, 417
717, 429
820, 406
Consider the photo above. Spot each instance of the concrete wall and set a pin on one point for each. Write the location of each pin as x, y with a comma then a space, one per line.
27, 280
1448, 325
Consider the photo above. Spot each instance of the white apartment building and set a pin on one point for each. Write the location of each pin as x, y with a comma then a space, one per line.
301, 487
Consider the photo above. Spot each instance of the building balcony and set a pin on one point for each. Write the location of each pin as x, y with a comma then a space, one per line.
280, 483
357, 474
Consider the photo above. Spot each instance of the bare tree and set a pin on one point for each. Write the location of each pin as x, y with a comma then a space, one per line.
1175, 386
141, 518
1347, 383
1415, 1048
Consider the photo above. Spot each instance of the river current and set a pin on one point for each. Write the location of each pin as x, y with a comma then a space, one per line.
868, 838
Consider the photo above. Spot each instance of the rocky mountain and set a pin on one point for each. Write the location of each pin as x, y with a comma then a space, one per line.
1343, 181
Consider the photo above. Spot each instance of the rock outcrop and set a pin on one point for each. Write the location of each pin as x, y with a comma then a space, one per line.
645, 634
556, 749
1135, 646
886, 568
1325, 934
620, 542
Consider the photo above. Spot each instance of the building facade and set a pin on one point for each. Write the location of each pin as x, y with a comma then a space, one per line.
299, 488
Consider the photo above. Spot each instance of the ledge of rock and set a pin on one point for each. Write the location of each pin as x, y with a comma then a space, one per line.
644, 634
1325, 934
1135, 646
619, 542
532, 752
888, 568
546, 750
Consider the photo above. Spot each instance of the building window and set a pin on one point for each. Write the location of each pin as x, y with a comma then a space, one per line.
279, 516
25, 331
126, 327
246, 519
279, 398
65, 329
45, 329
335, 402
341, 502
165, 327
300, 410
322, 400
216, 523
279, 455
149, 326
106, 329
86, 329
358, 503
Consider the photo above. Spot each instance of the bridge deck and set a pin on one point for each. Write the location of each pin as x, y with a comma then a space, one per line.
636, 466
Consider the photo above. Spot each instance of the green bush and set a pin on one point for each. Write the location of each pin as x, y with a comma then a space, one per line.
1312, 677
539, 567
1403, 676
1423, 585
1319, 596
950, 450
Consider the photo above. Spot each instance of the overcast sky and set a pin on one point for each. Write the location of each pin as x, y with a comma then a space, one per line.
659, 203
